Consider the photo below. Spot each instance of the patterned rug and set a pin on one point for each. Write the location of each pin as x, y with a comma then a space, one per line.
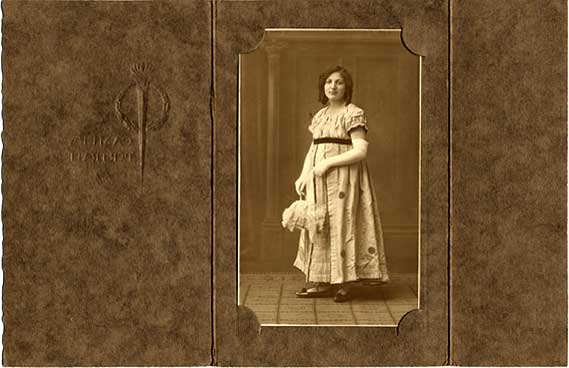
272, 297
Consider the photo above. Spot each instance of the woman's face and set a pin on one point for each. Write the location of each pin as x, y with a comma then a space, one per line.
335, 87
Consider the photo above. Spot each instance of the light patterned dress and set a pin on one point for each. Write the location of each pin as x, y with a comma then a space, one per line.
350, 246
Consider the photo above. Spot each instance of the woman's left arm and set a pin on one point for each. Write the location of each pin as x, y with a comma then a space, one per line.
356, 154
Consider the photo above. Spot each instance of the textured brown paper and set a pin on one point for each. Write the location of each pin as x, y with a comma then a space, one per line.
509, 160
422, 335
96, 270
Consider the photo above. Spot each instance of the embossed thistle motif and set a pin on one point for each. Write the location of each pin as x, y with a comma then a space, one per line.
143, 86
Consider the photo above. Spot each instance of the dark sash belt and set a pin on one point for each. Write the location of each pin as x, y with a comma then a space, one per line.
332, 140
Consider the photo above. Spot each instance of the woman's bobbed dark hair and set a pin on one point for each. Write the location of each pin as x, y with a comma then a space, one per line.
347, 80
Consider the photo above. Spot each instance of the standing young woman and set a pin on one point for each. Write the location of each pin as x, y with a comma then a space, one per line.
336, 183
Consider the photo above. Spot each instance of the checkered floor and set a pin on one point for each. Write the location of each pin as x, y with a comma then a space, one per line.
272, 297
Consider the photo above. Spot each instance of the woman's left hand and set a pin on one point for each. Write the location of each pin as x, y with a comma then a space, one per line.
321, 168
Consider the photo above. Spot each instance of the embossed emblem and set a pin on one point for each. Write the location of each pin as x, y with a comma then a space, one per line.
143, 87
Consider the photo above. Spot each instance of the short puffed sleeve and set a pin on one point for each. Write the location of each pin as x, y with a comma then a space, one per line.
314, 121
355, 119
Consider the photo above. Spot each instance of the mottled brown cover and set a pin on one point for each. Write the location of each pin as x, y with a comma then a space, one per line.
97, 272
509, 188
422, 336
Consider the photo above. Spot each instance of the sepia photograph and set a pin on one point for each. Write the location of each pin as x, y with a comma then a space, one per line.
329, 178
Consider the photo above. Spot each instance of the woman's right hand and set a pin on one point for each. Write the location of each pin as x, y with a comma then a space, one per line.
300, 185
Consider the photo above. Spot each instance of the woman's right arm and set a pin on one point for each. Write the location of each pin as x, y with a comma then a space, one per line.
300, 184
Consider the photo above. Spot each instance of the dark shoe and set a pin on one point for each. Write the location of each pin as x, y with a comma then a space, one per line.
343, 296
319, 293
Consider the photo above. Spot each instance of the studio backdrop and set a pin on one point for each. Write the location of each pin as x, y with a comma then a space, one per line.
279, 96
